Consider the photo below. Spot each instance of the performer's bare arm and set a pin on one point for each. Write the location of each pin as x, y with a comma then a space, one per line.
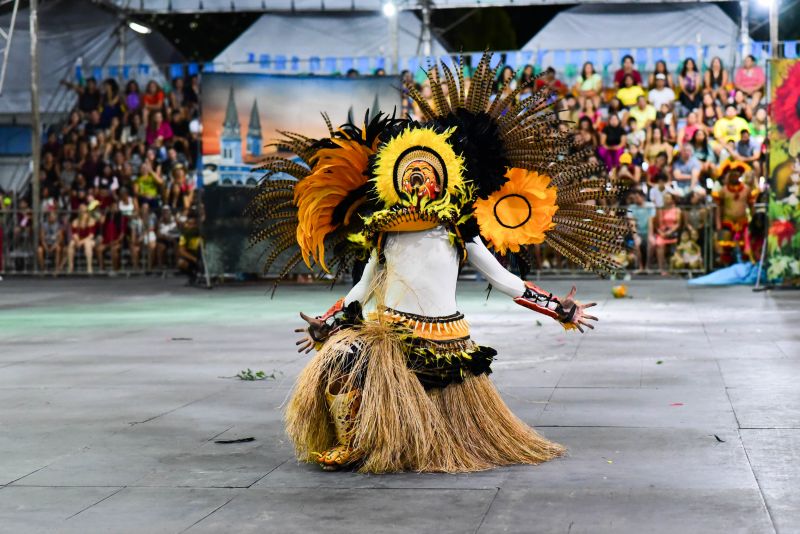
565, 310
360, 291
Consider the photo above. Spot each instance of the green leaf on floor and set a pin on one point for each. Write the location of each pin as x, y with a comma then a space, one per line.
249, 374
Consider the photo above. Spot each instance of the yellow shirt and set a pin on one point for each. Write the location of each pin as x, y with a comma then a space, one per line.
726, 129
628, 95
190, 243
642, 116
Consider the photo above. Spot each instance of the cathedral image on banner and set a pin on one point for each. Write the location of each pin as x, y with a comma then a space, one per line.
243, 113
235, 162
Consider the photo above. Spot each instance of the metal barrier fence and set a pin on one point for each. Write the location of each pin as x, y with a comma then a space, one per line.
155, 251
150, 251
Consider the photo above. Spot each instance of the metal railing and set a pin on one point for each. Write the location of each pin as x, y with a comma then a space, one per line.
17, 254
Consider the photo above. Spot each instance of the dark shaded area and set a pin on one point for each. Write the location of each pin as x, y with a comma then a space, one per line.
201, 36
226, 230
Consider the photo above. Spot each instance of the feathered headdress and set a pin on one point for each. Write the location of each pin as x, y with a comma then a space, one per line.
500, 139
505, 168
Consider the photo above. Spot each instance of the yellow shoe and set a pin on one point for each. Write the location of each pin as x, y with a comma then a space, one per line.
337, 457
344, 409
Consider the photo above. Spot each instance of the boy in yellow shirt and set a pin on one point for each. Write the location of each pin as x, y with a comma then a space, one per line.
729, 127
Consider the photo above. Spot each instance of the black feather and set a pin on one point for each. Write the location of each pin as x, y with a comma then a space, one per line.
478, 140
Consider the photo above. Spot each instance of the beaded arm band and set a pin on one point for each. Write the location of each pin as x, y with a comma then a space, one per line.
539, 300
338, 316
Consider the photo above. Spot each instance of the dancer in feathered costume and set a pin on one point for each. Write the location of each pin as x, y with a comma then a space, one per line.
397, 383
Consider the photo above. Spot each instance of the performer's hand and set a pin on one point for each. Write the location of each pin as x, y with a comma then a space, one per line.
580, 318
316, 330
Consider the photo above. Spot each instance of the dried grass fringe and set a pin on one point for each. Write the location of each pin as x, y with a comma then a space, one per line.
401, 427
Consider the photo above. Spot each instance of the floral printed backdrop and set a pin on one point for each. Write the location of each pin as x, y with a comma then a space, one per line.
784, 161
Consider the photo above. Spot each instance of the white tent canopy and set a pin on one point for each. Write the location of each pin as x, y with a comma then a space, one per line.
71, 31
305, 36
636, 26
294, 6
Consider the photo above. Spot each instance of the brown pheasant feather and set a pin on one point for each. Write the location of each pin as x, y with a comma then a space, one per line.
533, 137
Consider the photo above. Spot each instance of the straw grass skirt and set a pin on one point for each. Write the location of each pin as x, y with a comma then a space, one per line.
400, 426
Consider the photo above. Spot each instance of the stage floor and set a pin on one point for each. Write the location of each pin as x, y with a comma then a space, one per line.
681, 413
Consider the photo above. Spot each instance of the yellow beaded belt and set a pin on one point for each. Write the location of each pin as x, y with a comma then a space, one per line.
445, 328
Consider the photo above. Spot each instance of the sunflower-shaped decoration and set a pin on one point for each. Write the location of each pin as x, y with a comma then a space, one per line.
418, 167
519, 213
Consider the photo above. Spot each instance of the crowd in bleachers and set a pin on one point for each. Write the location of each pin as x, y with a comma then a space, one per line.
116, 181
671, 135
117, 177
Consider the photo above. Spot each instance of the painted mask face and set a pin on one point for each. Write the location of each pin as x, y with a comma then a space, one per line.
420, 180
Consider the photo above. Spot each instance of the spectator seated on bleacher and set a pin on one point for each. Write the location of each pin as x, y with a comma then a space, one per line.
750, 79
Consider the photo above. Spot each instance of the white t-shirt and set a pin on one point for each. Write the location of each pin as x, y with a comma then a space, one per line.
661, 96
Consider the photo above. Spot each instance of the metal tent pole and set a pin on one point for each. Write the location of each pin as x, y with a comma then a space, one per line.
426, 27
744, 23
7, 37
395, 45
773, 27
36, 125
123, 44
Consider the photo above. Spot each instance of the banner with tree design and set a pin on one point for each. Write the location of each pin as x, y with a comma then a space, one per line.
784, 162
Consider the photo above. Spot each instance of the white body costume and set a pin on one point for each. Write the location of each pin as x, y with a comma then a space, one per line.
397, 383
411, 257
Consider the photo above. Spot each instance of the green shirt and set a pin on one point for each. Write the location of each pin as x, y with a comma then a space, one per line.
147, 186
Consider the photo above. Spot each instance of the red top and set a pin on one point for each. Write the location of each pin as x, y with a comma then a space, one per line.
620, 75
83, 231
113, 228
156, 100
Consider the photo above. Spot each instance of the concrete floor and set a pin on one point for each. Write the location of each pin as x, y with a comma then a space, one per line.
681, 413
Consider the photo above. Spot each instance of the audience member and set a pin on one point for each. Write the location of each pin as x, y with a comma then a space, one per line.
627, 69
83, 232
686, 132
612, 142
51, 242
750, 79
630, 91
747, 152
660, 68
113, 231
589, 86
685, 170
666, 224
660, 93
717, 80
643, 112
549, 80
710, 112
691, 85
703, 153
729, 127
642, 212
657, 145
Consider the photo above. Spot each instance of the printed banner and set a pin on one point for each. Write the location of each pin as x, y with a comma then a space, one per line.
241, 114
784, 162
